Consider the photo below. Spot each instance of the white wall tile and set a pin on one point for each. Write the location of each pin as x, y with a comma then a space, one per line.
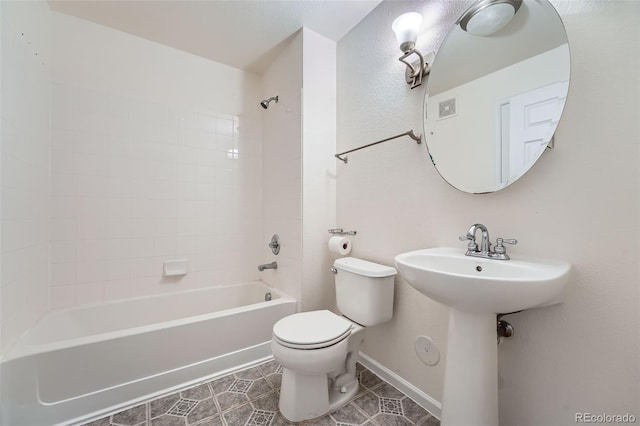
206, 123
64, 184
63, 296
64, 140
118, 269
119, 227
119, 167
63, 274
91, 164
63, 251
113, 290
63, 117
90, 143
89, 228
89, 293
118, 146
92, 271
165, 246
93, 186
143, 267
135, 172
63, 229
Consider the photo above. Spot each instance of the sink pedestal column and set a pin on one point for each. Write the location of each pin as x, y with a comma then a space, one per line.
471, 374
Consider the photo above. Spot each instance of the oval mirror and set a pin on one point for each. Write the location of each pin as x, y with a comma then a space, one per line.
496, 92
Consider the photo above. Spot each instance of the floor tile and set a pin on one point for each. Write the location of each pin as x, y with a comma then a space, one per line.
413, 411
368, 403
229, 400
384, 419
385, 390
160, 406
368, 379
183, 407
131, 417
268, 402
349, 415
239, 415
429, 421
100, 422
168, 420
199, 392
251, 397
212, 421
205, 408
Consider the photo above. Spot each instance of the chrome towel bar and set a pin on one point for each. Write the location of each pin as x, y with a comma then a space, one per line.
417, 138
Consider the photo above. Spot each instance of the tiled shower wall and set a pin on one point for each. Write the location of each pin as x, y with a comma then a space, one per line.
157, 164
282, 173
25, 167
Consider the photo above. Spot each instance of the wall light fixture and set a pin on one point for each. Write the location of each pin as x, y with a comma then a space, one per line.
486, 17
406, 27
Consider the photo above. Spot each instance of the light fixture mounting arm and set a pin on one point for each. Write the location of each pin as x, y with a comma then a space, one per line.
418, 68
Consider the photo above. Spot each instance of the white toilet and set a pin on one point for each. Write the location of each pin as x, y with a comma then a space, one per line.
318, 350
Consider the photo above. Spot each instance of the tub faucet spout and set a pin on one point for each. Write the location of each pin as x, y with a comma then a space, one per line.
272, 265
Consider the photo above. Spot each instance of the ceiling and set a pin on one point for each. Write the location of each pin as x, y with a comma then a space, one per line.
245, 34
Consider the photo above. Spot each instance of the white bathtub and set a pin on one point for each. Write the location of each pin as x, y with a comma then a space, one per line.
79, 362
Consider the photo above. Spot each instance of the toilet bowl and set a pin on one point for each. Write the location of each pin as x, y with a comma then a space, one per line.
315, 379
318, 350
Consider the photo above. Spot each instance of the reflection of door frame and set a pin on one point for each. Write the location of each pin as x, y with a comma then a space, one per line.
502, 139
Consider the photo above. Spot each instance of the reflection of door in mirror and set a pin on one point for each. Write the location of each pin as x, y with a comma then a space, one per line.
527, 122
476, 147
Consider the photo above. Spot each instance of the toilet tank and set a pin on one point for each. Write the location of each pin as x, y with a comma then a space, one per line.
364, 290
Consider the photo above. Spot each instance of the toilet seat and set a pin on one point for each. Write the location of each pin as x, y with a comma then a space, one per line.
311, 330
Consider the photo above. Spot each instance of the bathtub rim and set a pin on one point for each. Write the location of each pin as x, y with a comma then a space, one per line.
22, 348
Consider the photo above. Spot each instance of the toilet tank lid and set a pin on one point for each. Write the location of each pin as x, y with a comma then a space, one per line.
363, 267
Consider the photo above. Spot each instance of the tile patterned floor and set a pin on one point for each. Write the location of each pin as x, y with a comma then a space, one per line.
250, 398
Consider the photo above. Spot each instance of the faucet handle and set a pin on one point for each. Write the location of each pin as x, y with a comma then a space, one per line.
472, 246
499, 248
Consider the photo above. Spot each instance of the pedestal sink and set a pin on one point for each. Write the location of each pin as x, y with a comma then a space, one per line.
476, 289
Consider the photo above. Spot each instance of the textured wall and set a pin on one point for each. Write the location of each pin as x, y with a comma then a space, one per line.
579, 204
24, 190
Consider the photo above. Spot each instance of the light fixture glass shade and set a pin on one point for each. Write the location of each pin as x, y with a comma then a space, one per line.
406, 27
490, 19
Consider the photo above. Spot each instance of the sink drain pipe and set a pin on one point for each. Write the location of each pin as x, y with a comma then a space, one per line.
504, 328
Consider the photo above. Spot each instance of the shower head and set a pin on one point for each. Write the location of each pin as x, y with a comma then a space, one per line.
265, 104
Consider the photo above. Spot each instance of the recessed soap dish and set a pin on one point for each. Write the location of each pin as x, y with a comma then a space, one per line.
175, 267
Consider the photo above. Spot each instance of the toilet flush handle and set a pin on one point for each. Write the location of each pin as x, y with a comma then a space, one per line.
334, 270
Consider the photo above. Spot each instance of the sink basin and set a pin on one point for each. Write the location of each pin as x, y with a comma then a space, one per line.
476, 290
479, 285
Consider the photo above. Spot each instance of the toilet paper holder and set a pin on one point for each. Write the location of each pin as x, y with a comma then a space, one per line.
340, 231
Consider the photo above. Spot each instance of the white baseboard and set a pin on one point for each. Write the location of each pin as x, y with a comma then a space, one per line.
425, 401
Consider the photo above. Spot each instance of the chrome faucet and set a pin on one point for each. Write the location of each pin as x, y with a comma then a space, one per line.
272, 265
499, 253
